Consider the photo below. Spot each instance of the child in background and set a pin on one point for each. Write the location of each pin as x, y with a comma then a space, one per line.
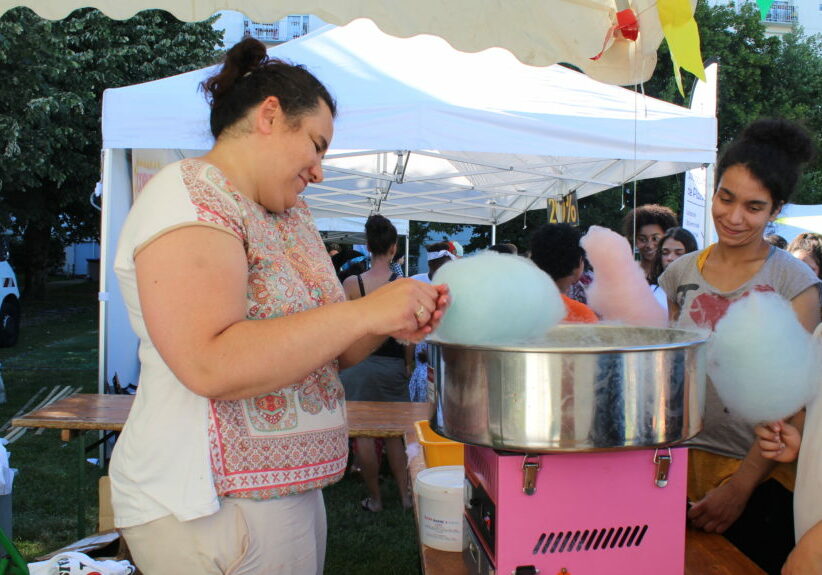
556, 251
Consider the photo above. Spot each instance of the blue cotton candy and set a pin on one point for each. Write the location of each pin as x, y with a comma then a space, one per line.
497, 299
761, 360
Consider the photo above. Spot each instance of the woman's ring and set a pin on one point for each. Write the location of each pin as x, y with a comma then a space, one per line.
420, 312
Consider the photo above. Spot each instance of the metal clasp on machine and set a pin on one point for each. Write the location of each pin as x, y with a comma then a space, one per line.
662, 460
530, 465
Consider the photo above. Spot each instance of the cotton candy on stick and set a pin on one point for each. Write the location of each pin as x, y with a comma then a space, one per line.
619, 291
497, 299
761, 360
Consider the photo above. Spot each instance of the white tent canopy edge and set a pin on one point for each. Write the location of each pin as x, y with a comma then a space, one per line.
572, 31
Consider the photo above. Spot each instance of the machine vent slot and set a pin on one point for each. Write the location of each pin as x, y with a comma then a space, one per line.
481, 467
590, 539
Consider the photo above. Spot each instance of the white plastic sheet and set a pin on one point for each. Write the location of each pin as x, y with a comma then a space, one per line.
72, 563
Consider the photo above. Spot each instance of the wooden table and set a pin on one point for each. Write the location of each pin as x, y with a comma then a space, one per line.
89, 411
704, 554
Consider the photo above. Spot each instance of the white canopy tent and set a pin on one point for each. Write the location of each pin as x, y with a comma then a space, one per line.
424, 132
537, 32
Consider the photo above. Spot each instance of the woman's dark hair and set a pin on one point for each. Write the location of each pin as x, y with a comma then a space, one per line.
380, 234
248, 76
811, 243
681, 235
555, 249
649, 214
773, 150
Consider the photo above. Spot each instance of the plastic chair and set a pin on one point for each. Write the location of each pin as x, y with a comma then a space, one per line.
14, 564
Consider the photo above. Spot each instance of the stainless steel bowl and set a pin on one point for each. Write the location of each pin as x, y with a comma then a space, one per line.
584, 388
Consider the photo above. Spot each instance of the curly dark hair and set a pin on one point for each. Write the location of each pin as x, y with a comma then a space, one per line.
646, 215
555, 249
380, 234
774, 151
248, 76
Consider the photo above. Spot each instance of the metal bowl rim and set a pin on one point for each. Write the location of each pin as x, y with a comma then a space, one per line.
697, 339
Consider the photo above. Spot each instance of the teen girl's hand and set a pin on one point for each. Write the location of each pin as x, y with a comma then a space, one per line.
778, 441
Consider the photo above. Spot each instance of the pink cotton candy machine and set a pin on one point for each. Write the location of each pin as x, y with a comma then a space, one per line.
571, 467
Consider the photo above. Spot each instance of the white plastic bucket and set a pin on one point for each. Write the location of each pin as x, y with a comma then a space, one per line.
440, 505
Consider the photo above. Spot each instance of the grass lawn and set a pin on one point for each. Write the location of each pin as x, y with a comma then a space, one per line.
58, 346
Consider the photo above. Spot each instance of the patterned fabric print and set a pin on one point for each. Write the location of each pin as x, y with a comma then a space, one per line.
294, 439
243, 467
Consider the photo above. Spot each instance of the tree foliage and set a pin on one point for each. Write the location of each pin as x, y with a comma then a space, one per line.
50, 137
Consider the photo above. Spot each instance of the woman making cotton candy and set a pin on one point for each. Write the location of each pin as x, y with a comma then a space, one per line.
756, 176
239, 418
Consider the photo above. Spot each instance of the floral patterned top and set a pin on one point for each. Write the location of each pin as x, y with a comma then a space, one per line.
281, 443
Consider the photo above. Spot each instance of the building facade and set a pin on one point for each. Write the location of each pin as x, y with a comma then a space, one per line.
784, 15
237, 26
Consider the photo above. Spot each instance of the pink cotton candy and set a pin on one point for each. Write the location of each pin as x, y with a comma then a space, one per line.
619, 291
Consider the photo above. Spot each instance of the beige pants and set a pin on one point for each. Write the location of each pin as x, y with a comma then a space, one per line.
274, 537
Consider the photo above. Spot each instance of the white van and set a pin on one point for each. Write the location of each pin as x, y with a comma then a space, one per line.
9, 302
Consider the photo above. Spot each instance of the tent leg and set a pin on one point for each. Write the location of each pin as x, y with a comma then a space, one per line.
405, 262
709, 198
493, 234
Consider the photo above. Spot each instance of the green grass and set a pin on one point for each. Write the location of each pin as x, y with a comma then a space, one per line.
58, 346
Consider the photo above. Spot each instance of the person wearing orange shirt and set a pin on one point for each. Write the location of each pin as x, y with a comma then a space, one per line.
556, 251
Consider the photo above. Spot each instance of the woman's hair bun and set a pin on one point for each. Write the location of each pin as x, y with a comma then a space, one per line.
781, 135
380, 234
243, 58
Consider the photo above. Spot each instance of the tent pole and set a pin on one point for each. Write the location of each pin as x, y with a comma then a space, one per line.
407, 244
493, 234
709, 198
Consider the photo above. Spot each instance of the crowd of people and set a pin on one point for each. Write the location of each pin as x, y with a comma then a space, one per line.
257, 367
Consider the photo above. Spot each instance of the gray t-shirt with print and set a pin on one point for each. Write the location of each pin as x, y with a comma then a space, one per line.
701, 305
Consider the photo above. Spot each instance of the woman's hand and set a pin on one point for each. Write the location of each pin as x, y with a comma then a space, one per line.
806, 557
405, 309
778, 441
720, 507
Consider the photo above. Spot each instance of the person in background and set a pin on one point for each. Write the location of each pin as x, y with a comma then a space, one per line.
807, 247
777, 241
644, 226
578, 291
239, 419
734, 490
556, 251
333, 249
397, 262
504, 249
455, 248
350, 262
416, 358
381, 376
675, 243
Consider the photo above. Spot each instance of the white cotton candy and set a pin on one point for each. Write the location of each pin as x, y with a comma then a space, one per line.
497, 299
761, 360
619, 291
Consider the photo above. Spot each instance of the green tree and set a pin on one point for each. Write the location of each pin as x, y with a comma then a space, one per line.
759, 76
50, 138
